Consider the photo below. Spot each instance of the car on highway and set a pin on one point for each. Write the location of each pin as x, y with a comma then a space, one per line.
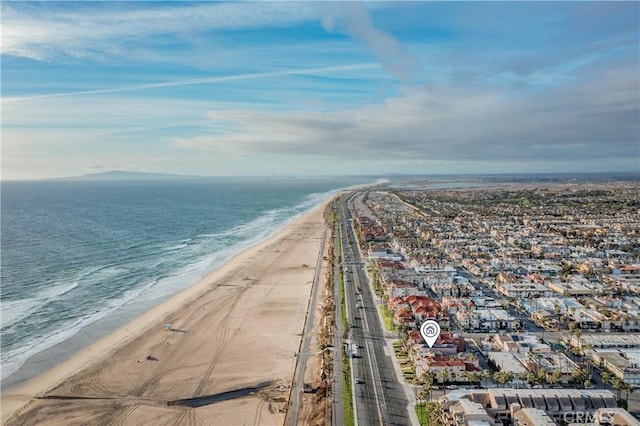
359, 381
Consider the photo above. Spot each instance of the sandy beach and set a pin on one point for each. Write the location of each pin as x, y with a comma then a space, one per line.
236, 330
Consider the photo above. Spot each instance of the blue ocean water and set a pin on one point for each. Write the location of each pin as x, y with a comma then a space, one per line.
75, 252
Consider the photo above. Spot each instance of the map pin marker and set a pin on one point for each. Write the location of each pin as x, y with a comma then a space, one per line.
430, 330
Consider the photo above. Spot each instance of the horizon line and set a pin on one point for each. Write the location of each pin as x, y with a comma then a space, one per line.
293, 176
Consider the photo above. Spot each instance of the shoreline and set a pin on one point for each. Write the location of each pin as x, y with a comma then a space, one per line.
41, 362
218, 291
59, 353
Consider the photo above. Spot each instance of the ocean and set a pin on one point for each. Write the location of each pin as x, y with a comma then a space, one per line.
81, 258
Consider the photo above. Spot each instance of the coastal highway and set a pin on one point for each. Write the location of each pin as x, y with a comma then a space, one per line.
379, 399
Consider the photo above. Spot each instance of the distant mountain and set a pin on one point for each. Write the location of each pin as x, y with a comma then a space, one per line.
120, 175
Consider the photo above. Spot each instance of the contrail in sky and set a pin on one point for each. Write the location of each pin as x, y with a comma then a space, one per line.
205, 80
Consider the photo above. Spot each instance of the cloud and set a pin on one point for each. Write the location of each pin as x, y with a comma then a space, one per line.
205, 80
596, 119
537, 87
44, 30
353, 19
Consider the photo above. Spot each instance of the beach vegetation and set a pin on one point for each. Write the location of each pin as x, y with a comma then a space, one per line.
332, 216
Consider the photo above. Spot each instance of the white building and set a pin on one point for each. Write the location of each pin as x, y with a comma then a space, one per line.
519, 290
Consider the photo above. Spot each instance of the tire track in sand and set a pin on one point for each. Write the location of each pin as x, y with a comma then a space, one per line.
221, 339
173, 358
258, 415
185, 416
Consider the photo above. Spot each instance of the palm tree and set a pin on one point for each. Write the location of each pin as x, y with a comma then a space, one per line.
426, 377
428, 388
523, 375
627, 389
423, 394
579, 375
404, 338
475, 378
509, 376
444, 375
496, 377
578, 334
606, 378
500, 377
467, 376
555, 377
618, 383
486, 374
542, 376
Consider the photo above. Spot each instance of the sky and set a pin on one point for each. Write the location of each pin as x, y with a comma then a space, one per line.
319, 88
